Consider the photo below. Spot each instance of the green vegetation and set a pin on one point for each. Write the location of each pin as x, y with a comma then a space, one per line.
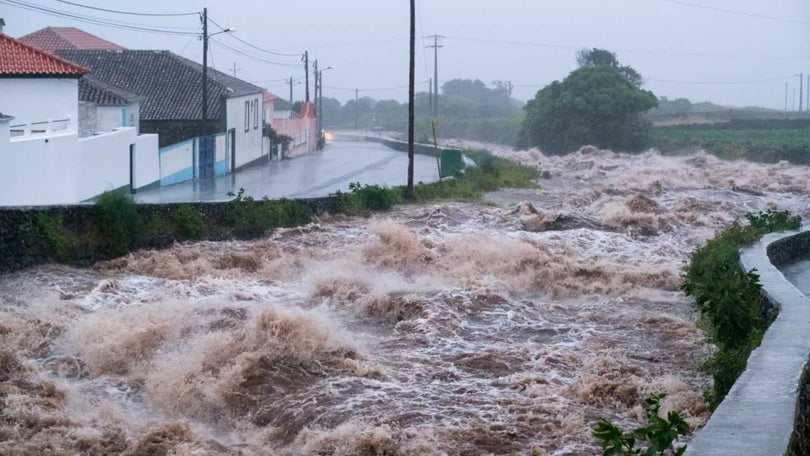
248, 218
728, 298
763, 141
490, 173
659, 435
599, 104
118, 223
51, 231
115, 225
189, 221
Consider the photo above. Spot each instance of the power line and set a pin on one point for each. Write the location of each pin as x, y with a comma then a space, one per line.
254, 46
95, 20
131, 13
752, 81
739, 13
630, 51
251, 56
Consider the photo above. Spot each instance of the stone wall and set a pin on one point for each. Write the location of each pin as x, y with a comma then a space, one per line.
24, 241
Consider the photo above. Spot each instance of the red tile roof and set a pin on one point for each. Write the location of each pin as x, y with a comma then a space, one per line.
52, 39
269, 96
18, 59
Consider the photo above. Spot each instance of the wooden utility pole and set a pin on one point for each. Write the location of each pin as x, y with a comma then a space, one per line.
204, 127
411, 74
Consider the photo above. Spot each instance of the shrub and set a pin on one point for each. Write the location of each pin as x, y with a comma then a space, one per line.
249, 218
371, 197
773, 221
660, 434
51, 230
728, 298
189, 221
116, 217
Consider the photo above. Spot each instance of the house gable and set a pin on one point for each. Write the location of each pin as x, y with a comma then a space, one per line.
19, 60
52, 39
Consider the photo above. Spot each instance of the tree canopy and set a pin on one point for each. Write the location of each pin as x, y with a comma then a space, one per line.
589, 58
596, 104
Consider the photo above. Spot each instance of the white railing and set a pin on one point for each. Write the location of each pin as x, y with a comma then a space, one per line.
39, 128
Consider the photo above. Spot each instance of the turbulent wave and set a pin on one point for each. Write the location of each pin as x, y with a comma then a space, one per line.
459, 328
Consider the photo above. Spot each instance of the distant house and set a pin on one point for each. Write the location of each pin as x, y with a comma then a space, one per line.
171, 87
268, 104
52, 39
44, 159
104, 107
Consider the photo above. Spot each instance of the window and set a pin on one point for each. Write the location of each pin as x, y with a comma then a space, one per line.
256, 114
247, 115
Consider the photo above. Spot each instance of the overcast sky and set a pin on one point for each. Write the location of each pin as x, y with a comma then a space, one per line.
732, 52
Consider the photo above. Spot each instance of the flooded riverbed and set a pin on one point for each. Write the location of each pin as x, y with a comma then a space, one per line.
505, 327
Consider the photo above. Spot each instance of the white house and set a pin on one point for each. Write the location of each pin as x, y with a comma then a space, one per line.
45, 160
170, 88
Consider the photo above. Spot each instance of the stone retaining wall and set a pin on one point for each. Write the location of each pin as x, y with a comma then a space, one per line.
22, 244
767, 411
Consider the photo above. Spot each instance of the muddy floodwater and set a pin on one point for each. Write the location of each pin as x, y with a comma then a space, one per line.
508, 326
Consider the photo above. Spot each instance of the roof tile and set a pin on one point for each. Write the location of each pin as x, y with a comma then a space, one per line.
170, 85
51, 39
19, 59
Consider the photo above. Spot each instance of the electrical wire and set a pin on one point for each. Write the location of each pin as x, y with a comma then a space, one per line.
131, 13
739, 13
253, 45
631, 51
250, 56
95, 20
753, 81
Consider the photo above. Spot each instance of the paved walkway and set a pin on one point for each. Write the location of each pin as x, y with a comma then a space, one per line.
308, 176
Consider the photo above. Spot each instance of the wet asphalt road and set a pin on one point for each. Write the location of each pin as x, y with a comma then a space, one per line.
313, 175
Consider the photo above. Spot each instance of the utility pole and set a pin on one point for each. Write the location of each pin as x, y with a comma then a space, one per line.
430, 95
234, 69
356, 97
435, 47
305, 58
786, 97
204, 126
801, 91
291, 91
317, 102
411, 75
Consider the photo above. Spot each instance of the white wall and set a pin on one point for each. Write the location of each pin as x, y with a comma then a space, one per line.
4, 135
40, 99
66, 169
177, 162
103, 162
39, 171
109, 118
248, 143
147, 160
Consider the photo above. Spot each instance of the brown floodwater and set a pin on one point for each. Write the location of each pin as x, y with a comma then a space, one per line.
509, 326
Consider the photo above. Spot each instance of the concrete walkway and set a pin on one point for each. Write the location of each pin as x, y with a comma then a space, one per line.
307, 176
757, 416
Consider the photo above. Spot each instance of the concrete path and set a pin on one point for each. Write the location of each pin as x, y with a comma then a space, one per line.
307, 176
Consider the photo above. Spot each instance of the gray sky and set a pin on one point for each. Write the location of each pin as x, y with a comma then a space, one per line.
683, 48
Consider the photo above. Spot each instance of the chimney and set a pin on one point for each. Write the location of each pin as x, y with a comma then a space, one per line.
2, 23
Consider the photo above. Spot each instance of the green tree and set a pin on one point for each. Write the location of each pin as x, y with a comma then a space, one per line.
596, 105
589, 58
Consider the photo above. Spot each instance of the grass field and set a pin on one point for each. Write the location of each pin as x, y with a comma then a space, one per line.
757, 144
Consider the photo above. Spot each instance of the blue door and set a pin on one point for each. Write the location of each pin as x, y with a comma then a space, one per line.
207, 156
